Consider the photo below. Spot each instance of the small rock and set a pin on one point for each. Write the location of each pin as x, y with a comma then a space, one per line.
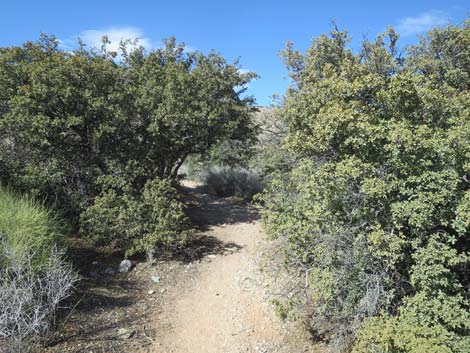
162, 290
125, 266
151, 292
95, 263
124, 333
211, 256
110, 271
156, 278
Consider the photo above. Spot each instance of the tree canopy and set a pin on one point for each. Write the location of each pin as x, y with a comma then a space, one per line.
67, 118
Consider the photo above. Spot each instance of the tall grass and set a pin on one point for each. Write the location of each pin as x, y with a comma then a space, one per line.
28, 226
34, 276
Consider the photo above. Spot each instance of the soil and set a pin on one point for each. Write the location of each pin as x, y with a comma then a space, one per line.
210, 299
114, 313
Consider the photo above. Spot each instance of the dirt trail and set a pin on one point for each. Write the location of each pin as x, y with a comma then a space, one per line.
225, 308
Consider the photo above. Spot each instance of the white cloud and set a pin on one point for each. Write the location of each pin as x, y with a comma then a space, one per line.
423, 22
246, 85
93, 37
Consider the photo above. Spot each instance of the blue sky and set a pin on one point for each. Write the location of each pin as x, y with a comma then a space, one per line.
253, 30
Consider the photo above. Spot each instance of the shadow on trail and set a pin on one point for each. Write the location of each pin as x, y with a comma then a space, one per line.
207, 211
101, 304
204, 245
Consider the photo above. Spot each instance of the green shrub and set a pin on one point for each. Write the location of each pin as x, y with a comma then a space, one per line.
232, 181
138, 222
423, 325
28, 226
436, 319
68, 118
375, 209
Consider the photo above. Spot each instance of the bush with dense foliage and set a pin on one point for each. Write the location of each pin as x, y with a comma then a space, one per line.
68, 117
376, 208
138, 222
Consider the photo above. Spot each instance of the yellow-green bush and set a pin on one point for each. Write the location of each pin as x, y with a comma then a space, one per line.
435, 319
28, 226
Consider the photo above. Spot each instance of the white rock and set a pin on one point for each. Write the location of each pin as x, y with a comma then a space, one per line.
125, 266
125, 333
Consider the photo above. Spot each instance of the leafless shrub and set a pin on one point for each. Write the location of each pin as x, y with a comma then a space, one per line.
30, 297
233, 181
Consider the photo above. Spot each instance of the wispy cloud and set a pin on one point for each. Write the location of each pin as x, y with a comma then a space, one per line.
423, 22
93, 38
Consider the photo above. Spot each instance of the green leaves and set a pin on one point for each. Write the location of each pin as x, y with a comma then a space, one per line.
102, 136
68, 118
136, 221
185, 104
376, 208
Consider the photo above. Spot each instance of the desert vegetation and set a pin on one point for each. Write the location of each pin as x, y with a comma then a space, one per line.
361, 170
373, 211
34, 275
93, 140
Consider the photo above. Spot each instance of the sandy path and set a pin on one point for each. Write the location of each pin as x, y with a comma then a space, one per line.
225, 309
